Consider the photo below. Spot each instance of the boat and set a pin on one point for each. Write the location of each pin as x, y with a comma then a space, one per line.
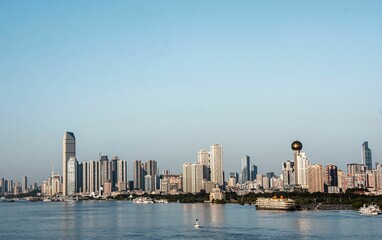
372, 209
161, 201
145, 200
275, 203
196, 224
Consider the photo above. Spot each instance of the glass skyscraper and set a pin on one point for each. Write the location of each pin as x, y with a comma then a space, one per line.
366, 156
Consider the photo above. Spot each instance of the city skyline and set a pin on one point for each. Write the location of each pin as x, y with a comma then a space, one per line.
161, 80
213, 158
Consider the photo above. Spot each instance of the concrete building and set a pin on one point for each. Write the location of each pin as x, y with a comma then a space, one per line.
216, 164
330, 176
151, 169
138, 175
204, 159
187, 178
24, 184
71, 176
288, 174
315, 180
197, 177
253, 172
68, 150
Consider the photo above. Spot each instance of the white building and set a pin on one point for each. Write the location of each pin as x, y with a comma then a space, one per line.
216, 164
197, 177
71, 176
68, 150
187, 178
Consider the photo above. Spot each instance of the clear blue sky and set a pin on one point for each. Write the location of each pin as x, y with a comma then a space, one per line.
162, 79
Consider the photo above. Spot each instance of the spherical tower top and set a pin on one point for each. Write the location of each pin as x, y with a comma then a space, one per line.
296, 146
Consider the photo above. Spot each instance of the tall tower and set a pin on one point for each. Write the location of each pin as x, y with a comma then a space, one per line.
24, 184
245, 170
300, 164
68, 150
216, 163
366, 156
138, 176
204, 159
71, 180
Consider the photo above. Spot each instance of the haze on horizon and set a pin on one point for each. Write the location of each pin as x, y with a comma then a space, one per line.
163, 79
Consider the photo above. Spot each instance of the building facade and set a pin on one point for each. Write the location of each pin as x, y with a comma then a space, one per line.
68, 150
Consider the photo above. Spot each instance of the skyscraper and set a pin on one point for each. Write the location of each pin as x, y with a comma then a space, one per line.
216, 164
330, 175
253, 172
366, 156
138, 176
197, 177
71, 167
187, 178
301, 162
151, 168
245, 170
288, 174
204, 159
104, 170
68, 150
24, 184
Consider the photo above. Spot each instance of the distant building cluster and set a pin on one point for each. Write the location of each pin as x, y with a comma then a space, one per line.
11, 188
106, 177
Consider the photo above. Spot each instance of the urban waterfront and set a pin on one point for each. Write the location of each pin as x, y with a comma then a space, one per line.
125, 220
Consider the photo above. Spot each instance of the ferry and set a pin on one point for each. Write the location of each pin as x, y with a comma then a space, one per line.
275, 203
145, 200
372, 209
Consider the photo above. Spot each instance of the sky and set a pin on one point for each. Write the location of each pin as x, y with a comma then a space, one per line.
163, 79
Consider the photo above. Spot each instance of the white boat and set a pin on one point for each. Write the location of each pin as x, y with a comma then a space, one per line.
372, 209
161, 201
196, 224
145, 200
275, 203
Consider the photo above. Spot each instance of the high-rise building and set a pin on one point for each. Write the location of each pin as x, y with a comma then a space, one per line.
259, 180
2, 186
71, 167
245, 170
85, 177
301, 162
366, 156
288, 174
204, 159
138, 175
197, 177
151, 168
378, 176
122, 175
315, 181
216, 164
113, 173
68, 150
24, 184
187, 178
104, 170
80, 177
253, 172
330, 175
